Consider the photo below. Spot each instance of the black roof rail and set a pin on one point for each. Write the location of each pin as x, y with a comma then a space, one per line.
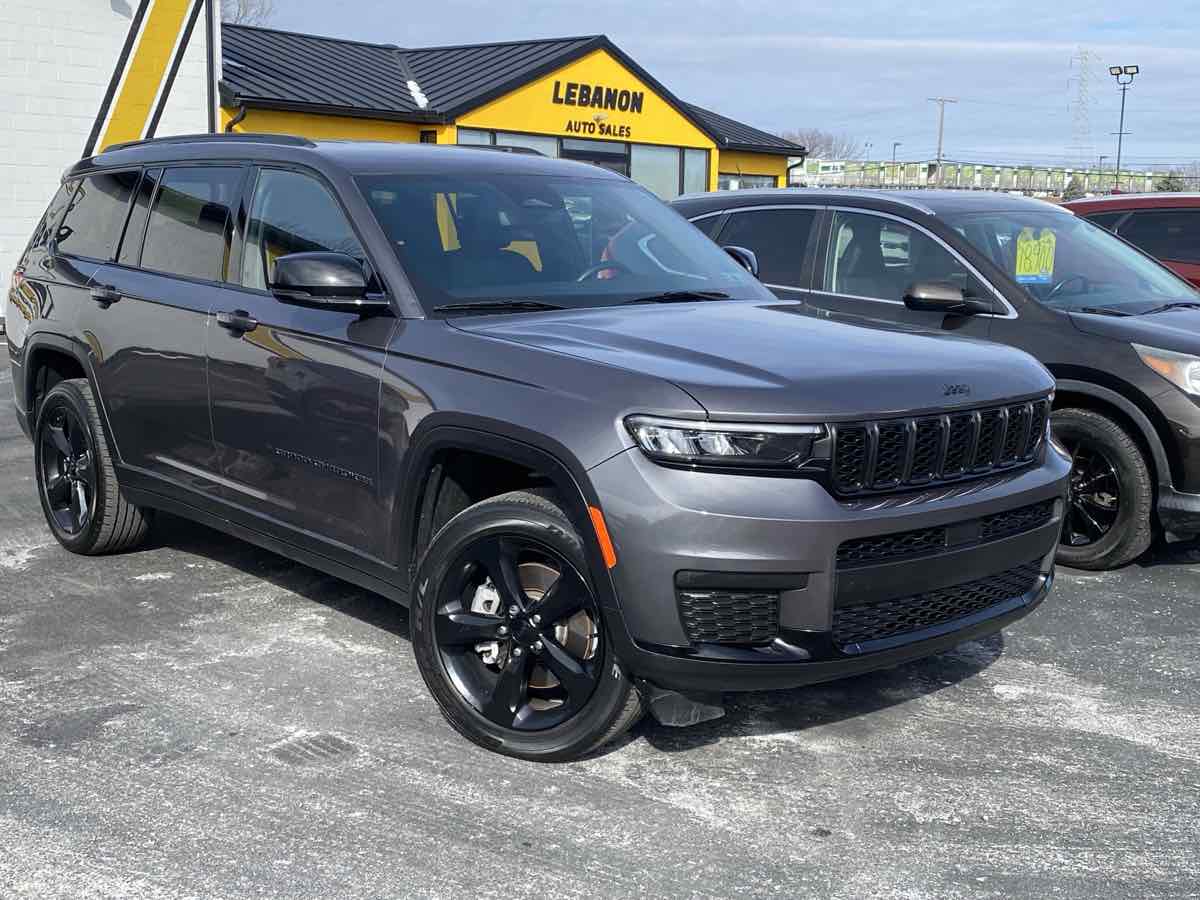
501, 148
223, 137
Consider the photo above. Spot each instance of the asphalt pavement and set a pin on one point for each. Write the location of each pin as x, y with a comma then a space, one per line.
205, 719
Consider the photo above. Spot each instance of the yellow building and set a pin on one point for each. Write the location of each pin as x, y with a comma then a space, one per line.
577, 98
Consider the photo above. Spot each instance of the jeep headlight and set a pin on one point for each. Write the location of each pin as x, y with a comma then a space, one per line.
724, 444
1181, 370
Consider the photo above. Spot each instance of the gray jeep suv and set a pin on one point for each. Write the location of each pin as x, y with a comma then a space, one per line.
606, 469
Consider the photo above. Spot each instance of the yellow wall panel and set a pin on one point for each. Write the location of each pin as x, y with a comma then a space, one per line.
734, 162
314, 125
533, 108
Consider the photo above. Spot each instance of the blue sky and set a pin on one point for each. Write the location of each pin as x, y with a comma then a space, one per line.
865, 68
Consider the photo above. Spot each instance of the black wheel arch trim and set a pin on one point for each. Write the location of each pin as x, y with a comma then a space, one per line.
535, 451
77, 350
1148, 432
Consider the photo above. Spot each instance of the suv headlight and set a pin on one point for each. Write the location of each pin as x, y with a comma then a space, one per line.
724, 444
1181, 370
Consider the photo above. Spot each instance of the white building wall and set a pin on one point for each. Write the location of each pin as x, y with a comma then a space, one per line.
56, 59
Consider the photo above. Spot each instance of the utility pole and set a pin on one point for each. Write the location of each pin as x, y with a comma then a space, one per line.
1124, 76
941, 102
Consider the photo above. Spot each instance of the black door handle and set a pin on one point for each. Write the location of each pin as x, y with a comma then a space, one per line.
239, 320
105, 294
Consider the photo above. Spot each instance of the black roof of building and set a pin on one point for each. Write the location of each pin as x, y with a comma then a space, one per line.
285, 70
731, 134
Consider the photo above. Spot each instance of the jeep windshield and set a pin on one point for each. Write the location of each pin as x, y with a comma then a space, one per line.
1070, 264
512, 243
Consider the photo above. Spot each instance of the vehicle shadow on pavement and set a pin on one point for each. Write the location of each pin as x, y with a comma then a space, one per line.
1180, 553
801, 709
746, 714
199, 540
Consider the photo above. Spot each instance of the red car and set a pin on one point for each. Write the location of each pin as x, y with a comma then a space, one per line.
1166, 225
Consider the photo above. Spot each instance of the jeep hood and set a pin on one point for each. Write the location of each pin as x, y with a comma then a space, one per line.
770, 362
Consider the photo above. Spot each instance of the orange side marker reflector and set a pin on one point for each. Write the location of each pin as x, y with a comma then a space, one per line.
606, 545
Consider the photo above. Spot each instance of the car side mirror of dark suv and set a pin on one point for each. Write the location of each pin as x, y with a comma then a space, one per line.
944, 297
325, 280
744, 258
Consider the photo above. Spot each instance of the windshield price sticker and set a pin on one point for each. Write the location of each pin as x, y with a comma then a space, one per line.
1035, 257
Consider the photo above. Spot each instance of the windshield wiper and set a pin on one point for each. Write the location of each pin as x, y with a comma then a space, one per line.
497, 306
1181, 304
1102, 311
681, 297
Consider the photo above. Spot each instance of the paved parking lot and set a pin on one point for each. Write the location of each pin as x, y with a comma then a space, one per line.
205, 719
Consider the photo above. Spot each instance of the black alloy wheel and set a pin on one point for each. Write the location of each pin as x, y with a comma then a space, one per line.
510, 635
1094, 499
517, 630
1108, 520
68, 470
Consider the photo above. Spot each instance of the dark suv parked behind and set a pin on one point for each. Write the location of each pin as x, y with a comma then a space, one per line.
1118, 330
603, 465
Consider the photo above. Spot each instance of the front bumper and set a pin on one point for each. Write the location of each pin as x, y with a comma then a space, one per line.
786, 532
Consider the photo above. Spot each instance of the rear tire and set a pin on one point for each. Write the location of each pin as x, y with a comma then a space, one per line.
1107, 523
554, 690
82, 502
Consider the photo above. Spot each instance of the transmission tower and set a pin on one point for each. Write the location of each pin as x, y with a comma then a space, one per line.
1082, 148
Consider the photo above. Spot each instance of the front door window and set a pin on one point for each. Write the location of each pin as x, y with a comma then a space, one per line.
879, 258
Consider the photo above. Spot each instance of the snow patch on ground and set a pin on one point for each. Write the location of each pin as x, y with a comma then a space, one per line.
17, 551
154, 576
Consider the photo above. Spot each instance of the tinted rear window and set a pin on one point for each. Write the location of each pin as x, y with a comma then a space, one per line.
778, 238
1108, 220
131, 244
190, 225
96, 215
1172, 234
49, 221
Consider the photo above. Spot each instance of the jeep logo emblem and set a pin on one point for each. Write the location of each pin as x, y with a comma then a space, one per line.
956, 390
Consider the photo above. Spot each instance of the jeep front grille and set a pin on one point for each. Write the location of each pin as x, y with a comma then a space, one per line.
895, 454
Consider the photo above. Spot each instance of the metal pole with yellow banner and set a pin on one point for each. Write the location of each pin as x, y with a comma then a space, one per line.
159, 34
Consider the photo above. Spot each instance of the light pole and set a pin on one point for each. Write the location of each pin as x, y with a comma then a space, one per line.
895, 173
941, 102
1103, 157
1124, 76
864, 178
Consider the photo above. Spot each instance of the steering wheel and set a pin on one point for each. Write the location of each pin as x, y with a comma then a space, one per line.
593, 271
1083, 280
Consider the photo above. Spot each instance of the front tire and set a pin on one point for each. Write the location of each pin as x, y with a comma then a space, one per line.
1107, 523
77, 484
509, 637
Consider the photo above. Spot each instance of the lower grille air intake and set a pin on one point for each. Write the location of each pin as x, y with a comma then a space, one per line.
729, 617
865, 622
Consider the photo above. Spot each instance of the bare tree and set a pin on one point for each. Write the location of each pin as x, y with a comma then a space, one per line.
826, 144
247, 12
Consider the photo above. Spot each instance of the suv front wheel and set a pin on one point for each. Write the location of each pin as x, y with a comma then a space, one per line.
509, 636
1107, 521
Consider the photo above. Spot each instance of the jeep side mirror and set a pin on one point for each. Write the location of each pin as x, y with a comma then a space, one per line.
324, 280
744, 258
944, 297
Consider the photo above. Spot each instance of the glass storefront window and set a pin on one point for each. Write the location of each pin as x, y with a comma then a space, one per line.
474, 136
655, 168
695, 171
547, 146
729, 182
